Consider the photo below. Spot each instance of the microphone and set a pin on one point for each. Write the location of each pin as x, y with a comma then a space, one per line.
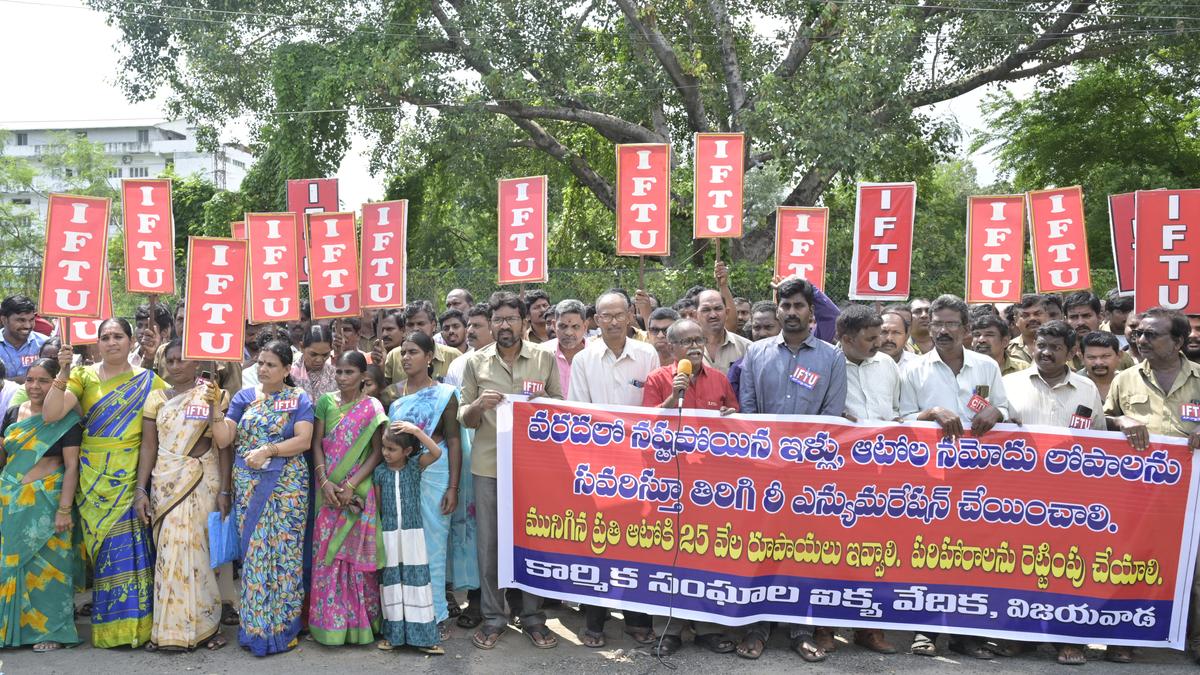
1082, 419
1083, 411
685, 367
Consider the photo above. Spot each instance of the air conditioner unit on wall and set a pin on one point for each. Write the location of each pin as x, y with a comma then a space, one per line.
127, 159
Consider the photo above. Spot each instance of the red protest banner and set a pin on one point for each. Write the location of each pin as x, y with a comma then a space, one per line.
995, 247
881, 268
213, 326
87, 331
305, 196
521, 205
238, 229
1168, 249
800, 238
717, 186
149, 236
333, 261
1121, 226
274, 278
384, 273
644, 199
1058, 240
76, 257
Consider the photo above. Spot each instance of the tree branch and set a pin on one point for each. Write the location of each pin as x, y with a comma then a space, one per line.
686, 85
734, 86
804, 41
811, 186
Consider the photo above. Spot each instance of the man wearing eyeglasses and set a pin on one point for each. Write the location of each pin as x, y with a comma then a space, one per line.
1161, 395
958, 389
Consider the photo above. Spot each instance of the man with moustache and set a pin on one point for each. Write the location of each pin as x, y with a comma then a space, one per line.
1082, 310
656, 331
942, 387
1052, 303
20, 344
893, 337
989, 336
453, 328
1118, 308
613, 371
1101, 355
1030, 315
419, 316
919, 341
793, 373
704, 389
510, 365
724, 346
460, 299
1191, 348
571, 337
538, 301
479, 335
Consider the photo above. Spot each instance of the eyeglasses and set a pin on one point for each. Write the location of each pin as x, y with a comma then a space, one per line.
506, 320
657, 331
605, 317
688, 342
1148, 334
948, 325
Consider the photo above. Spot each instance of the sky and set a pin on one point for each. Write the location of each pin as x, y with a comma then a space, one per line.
84, 63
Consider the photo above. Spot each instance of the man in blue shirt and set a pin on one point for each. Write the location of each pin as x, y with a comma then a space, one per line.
19, 345
793, 373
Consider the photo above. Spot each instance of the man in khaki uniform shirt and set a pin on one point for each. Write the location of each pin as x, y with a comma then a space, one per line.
509, 365
1031, 314
724, 346
1161, 395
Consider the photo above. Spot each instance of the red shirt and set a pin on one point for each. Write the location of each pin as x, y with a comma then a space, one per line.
709, 389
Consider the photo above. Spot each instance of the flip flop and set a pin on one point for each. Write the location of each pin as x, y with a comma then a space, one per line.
716, 643
229, 615
592, 639
642, 636
541, 637
923, 646
667, 645
808, 650
432, 651
751, 647
468, 620
486, 638
216, 642
47, 647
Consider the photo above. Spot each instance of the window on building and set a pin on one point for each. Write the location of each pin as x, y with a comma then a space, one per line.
80, 134
69, 172
22, 201
143, 135
22, 138
115, 173
139, 172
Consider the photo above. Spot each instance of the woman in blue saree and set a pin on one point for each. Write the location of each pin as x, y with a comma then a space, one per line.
433, 407
111, 395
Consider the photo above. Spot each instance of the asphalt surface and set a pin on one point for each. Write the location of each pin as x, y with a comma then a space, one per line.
515, 654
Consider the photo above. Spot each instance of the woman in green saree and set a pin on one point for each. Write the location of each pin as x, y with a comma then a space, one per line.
39, 556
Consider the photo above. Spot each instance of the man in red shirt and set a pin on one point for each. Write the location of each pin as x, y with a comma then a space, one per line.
706, 388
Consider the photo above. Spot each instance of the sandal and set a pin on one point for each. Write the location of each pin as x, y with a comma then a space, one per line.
486, 638
468, 620
453, 609
216, 642
384, 646
44, 647
972, 647
540, 636
432, 651
150, 647
751, 647
84, 610
229, 615
923, 645
1071, 655
642, 636
667, 645
808, 650
592, 639
716, 643
1119, 654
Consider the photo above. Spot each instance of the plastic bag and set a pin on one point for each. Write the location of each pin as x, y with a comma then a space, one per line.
224, 544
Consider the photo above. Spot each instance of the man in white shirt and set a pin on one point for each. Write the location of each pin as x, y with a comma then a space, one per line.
956, 388
894, 337
613, 370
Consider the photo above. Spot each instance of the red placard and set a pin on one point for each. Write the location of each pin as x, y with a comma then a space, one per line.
384, 274
333, 258
274, 277
644, 199
76, 256
883, 232
1168, 249
214, 328
305, 196
717, 186
87, 331
1058, 240
521, 206
801, 233
149, 236
995, 247
238, 229
1121, 227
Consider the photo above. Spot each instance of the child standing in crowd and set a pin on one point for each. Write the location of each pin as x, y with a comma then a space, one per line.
409, 617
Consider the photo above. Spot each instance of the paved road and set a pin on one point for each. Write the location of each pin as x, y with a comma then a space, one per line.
515, 654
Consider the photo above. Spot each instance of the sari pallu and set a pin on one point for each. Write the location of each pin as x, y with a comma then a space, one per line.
187, 601
39, 568
271, 510
344, 598
424, 408
116, 543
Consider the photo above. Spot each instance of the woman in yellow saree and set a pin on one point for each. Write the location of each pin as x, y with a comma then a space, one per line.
189, 461
111, 395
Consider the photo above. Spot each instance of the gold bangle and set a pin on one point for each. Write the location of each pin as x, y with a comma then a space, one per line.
61, 385
66, 511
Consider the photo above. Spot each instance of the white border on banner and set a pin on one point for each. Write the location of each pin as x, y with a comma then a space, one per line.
1112, 241
854, 294
506, 577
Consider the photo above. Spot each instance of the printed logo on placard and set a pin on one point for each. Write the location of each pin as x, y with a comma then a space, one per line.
1190, 412
195, 411
286, 404
977, 403
805, 378
533, 387
1081, 422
